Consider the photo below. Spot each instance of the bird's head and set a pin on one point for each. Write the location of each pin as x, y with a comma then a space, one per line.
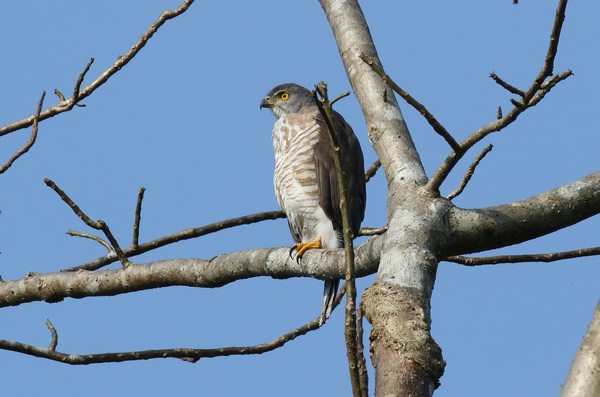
287, 98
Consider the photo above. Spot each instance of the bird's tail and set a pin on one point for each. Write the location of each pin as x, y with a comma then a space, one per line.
329, 293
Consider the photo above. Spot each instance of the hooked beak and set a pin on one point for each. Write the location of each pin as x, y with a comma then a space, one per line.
266, 103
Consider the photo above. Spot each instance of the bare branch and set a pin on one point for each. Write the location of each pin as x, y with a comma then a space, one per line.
507, 86
32, 138
470, 172
370, 173
68, 104
550, 257
186, 354
433, 122
98, 225
180, 236
548, 68
372, 231
54, 340
583, 377
137, 219
362, 364
325, 107
476, 230
538, 89
80, 80
91, 237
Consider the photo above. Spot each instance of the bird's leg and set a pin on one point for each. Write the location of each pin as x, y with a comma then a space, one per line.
301, 248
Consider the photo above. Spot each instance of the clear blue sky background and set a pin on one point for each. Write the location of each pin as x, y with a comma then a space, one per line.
183, 121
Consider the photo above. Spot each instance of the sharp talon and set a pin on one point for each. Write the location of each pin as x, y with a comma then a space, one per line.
292, 249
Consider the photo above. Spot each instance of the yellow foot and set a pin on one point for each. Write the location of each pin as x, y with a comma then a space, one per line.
301, 248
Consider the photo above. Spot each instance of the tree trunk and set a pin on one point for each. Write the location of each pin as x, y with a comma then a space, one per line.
407, 361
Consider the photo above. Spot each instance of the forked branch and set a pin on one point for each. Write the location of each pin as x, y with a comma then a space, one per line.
541, 85
80, 94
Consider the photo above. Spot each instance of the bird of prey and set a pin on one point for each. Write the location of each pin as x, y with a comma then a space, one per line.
305, 179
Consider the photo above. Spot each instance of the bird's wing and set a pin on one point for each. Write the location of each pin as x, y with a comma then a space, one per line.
353, 165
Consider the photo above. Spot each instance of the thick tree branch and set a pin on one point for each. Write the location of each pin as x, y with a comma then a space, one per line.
79, 94
388, 132
499, 226
215, 272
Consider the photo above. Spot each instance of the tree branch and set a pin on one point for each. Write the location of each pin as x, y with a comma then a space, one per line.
326, 110
550, 257
370, 173
179, 236
470, 172
32, 138
137, 219
98, 225
192, 272
475, 230
186, 354
536, 92
419, 107
583, 379
78, 94
388, 132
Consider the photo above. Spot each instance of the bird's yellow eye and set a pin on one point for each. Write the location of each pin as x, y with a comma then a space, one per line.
284, 96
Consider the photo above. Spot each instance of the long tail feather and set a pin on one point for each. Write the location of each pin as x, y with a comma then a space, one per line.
329, 293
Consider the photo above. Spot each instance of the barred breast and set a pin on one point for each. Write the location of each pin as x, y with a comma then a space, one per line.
296, 185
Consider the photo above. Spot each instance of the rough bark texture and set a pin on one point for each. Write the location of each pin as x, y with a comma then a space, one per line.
407, 360
584, 376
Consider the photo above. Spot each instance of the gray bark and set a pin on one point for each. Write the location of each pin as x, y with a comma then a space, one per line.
584, 376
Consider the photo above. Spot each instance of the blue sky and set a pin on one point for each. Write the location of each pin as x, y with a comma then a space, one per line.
182, 120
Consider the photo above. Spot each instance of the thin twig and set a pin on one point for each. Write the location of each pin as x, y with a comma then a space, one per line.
98, 225
538, 89
507, 86
470, 171
433, 122
103, 78
550, 257
326, 111
79, 81
32, 138
54, 340
91, 237
137, 219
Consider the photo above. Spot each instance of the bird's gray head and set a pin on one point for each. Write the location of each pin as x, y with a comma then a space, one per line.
287, 98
